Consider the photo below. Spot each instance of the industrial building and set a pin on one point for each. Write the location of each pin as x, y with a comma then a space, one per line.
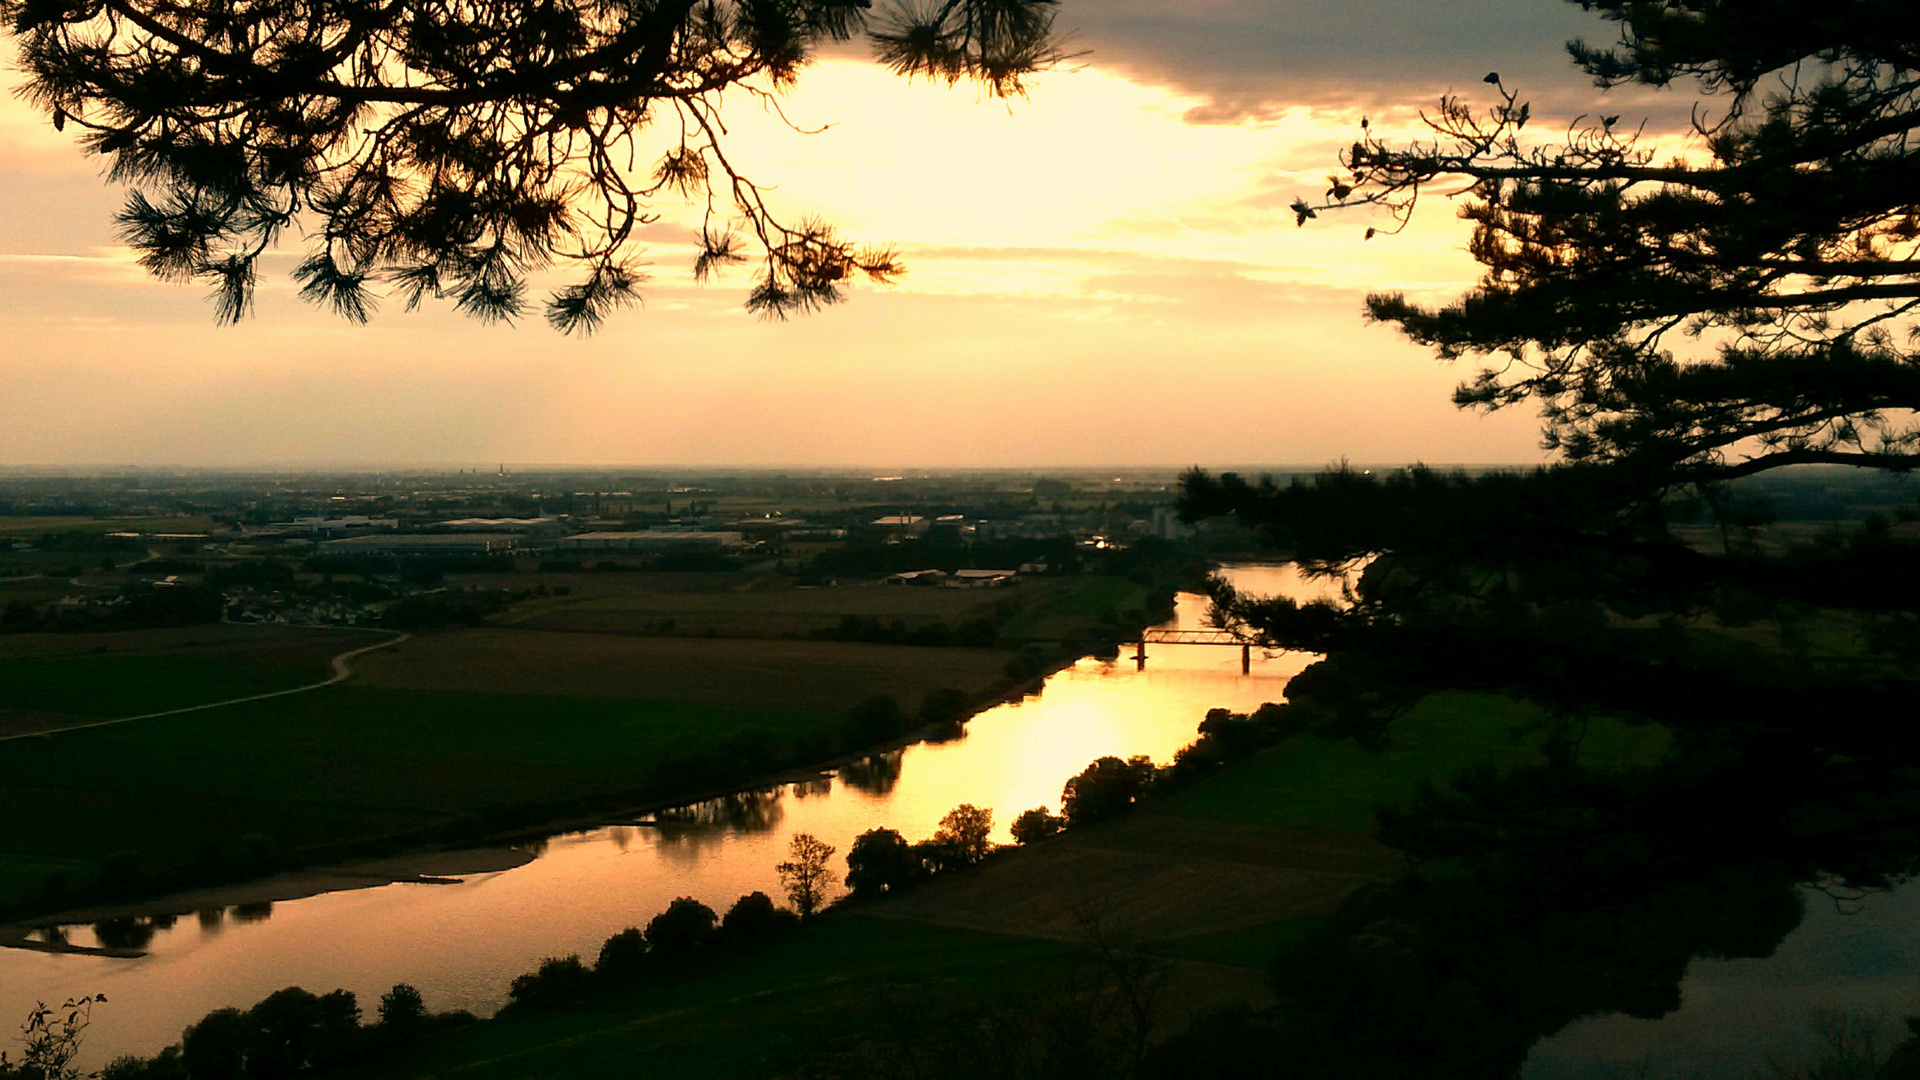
423, 544
653, 540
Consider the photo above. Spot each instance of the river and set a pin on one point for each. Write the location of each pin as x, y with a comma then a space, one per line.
462, 943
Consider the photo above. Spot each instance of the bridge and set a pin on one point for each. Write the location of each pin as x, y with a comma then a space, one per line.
1168, 636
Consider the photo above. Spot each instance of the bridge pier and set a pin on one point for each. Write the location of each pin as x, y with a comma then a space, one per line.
1246, 659
1140, 654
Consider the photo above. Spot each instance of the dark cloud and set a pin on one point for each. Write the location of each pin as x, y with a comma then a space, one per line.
1249, 58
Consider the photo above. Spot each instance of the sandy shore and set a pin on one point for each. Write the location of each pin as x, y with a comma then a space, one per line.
424, 868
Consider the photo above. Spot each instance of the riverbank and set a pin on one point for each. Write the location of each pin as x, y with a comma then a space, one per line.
1194, 894
415, 868
261, 786
500, 824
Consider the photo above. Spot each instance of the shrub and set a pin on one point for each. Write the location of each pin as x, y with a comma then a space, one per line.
624, 955
945, 709
1036, 824
558, 979
968, 830
936, 857
880, 861
1106, 788
754, 917
402, 1013
682, 929
876, 719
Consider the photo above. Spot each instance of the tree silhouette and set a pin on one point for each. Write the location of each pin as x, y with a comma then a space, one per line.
1105, 788
804, 875
1035, 825
449, 148
880, 861
1748, 305
968, 830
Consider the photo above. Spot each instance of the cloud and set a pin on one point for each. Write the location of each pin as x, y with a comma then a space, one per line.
1250, 59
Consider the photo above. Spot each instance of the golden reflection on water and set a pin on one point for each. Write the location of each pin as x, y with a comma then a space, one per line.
461, 944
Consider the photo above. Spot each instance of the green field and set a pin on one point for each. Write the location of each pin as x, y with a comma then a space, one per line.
445, 736
348, 764
49, 680
403, 752
1321, 784
99, 686
772, 606
827, 675
1064, 611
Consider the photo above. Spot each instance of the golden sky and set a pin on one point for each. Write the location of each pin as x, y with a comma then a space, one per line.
1104, 273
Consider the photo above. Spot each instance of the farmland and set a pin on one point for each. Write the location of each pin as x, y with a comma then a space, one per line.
53, 680
827, 676
457, 713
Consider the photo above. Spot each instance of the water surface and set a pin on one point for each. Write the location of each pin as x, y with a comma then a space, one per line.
461, 944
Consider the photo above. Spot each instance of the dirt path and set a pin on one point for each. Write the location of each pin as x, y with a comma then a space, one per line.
342, 670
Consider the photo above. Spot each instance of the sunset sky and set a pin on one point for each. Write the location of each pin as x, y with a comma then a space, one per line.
1104, 273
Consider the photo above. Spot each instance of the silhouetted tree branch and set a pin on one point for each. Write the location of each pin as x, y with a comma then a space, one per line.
1749, 301
450, 148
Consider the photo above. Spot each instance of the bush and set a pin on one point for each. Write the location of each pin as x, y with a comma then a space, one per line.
216, 1047
558, 979
1106, 788
288, 1033
877, 719
945, 709
403, 1014
968, 830
681, 930
624, 956
754, 918
1035, 825
1026, 665
880, 861
936, 857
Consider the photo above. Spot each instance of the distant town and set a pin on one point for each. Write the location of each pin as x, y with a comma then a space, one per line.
372, 550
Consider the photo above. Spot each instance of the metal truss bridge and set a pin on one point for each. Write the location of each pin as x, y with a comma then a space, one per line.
1164, 636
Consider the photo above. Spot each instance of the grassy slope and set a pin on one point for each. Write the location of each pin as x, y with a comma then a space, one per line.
758, 1016
753, 1015
1313, 784
1317, 784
